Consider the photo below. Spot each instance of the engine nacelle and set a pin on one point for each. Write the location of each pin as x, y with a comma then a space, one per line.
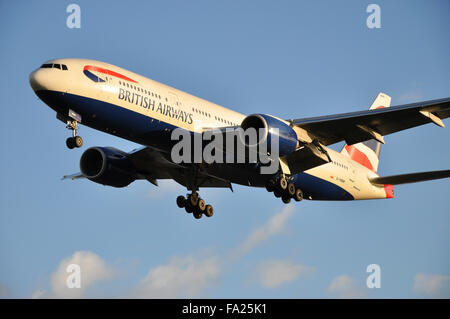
287, 138
107, 166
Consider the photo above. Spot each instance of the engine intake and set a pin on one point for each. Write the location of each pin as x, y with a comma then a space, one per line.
107, 166
268, 127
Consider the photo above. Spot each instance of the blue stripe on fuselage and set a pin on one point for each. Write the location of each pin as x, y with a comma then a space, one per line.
320, 189
111, 118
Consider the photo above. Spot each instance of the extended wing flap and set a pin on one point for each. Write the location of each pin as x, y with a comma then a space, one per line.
306, 157
410, 178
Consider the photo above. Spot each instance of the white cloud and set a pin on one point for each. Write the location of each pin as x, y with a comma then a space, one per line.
93, 269
435, 286
190, 275
345, 286
274, 226
184, 276
181, 277
277, 272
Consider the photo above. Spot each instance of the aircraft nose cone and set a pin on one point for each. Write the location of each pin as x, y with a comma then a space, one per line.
37, 80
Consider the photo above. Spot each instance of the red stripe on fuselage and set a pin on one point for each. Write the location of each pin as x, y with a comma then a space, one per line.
358, 156
109, 72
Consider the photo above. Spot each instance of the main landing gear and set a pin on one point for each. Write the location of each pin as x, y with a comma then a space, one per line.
195, 205
75, 140
285, 189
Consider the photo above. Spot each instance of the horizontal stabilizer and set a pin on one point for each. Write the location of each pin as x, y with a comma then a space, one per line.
410, 178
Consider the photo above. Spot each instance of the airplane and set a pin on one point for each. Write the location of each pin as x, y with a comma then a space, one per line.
124, 104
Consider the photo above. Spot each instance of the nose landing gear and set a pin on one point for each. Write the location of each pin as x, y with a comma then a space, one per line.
72, 121
195, 205
75, 140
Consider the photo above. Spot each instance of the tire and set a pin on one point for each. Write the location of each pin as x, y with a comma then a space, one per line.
193, 200
277, 193
181, 201
282, 183
197, 215
298, 195
201, 205
188, 208
209, 211
78, 141
70, 142
286, 199
290, 189
269, 186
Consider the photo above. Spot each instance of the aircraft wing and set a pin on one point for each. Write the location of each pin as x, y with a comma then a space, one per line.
361, 126
151, 164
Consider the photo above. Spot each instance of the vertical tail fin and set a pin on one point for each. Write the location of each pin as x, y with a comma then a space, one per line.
367, 153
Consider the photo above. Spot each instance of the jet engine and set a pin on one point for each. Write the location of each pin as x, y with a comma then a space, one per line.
107, 166
269, 128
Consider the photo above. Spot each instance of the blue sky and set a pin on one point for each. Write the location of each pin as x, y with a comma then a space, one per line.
291, 59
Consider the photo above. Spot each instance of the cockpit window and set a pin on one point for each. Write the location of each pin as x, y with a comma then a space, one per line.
55, 65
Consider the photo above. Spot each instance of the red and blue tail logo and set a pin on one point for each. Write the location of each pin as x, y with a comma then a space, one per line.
95, 74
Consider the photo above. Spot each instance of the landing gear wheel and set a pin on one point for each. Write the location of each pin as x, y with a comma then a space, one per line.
298, 195
270, 187
70, 142
201, 205
197, 215
209, 211
286, 199
72, 124
282, 183
78, 141
181, 201
277, 193
193, 199
290, 189
192, 203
